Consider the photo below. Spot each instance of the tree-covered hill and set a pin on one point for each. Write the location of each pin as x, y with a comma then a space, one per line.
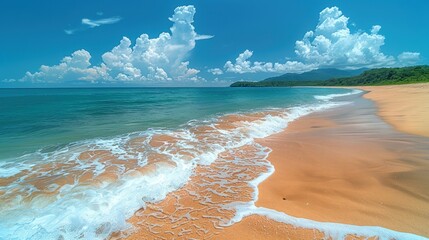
384, 76
380, 76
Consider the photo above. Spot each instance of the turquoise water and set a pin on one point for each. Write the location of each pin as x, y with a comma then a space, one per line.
32, 119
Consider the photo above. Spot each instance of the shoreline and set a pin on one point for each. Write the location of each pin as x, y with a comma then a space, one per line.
341, 173
364, 172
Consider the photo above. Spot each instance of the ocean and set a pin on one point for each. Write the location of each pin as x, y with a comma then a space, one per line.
33, 119
78, 163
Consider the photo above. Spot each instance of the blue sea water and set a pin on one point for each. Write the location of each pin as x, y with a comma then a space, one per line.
78, 163
32, 119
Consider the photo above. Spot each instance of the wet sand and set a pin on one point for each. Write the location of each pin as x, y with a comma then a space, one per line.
348, 166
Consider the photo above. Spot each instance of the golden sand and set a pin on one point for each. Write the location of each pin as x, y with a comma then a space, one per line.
340, 169
330, 174
406, 107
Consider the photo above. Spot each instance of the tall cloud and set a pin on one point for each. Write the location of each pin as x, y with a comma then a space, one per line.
148, 59
161, 58
331, 44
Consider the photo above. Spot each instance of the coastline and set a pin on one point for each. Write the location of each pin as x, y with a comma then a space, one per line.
341, 173
338, 173
349, 166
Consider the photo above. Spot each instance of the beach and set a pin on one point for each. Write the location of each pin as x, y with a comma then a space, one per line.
350, 167
214, 120
285, 163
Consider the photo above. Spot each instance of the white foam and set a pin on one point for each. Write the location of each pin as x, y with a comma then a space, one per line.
9, 171
83, 211
333, 230
332, 96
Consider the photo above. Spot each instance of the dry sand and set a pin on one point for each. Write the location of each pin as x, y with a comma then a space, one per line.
350, 167
406, 107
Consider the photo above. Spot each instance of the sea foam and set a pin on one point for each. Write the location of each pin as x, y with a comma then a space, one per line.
332, 96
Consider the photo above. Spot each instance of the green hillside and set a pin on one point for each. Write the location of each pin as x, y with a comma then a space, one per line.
384, 76
381, 76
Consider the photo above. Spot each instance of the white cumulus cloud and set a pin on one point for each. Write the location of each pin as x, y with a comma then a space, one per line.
148, 59
74, 67
215, 71
243, 65
333, 44
330, 44
408, 58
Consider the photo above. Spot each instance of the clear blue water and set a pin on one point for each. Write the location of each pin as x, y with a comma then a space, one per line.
32, 119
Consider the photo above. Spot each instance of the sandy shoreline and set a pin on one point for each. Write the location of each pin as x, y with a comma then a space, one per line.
350, 167
345, 165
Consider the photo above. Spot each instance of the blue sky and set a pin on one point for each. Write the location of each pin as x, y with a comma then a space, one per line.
74, 40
